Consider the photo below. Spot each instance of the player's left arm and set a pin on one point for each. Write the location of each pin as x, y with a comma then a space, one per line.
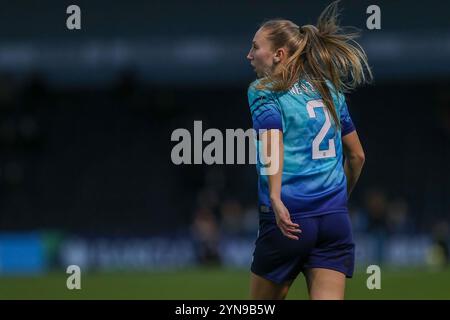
273, 147
273, 150
267, 121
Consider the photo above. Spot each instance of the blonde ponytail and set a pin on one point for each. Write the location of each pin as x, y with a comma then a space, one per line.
317, 54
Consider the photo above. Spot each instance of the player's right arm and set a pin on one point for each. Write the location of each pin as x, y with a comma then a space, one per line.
354, 159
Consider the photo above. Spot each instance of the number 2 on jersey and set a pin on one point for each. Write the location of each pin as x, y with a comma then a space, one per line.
316, 152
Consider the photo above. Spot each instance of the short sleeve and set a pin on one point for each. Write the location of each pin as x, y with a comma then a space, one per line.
265, 111
347, 125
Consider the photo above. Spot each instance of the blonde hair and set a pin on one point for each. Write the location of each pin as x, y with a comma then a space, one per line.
317, 54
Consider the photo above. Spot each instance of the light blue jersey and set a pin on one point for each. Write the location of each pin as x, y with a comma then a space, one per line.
313, 181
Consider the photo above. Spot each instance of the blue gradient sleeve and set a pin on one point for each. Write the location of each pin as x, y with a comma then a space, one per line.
346, 121
265, 111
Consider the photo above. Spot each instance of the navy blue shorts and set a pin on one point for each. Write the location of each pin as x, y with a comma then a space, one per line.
326, 242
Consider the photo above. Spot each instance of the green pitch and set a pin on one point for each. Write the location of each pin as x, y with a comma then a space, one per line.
214, 283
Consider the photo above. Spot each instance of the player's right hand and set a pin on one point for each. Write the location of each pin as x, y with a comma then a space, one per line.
287, 227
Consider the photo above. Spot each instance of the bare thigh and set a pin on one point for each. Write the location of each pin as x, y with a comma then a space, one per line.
325, 284
263, 289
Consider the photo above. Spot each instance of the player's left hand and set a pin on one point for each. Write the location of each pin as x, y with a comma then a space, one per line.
287, 227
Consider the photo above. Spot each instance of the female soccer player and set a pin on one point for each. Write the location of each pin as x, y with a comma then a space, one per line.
299, 109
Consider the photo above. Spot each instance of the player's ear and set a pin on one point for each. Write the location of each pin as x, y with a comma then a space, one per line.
280, 55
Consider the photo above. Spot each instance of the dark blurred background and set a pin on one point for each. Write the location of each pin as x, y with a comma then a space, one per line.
86, 118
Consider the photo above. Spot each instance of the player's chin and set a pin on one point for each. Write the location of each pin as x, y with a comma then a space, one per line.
255, 70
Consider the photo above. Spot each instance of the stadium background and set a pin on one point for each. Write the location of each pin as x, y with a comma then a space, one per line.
86, 176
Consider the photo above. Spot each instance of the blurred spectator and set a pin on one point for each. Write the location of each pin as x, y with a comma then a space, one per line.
359, 218
250, 220
376, 207
398, 218
205, 232
439, 255
231, 214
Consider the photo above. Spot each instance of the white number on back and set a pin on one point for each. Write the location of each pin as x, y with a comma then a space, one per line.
316, 152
